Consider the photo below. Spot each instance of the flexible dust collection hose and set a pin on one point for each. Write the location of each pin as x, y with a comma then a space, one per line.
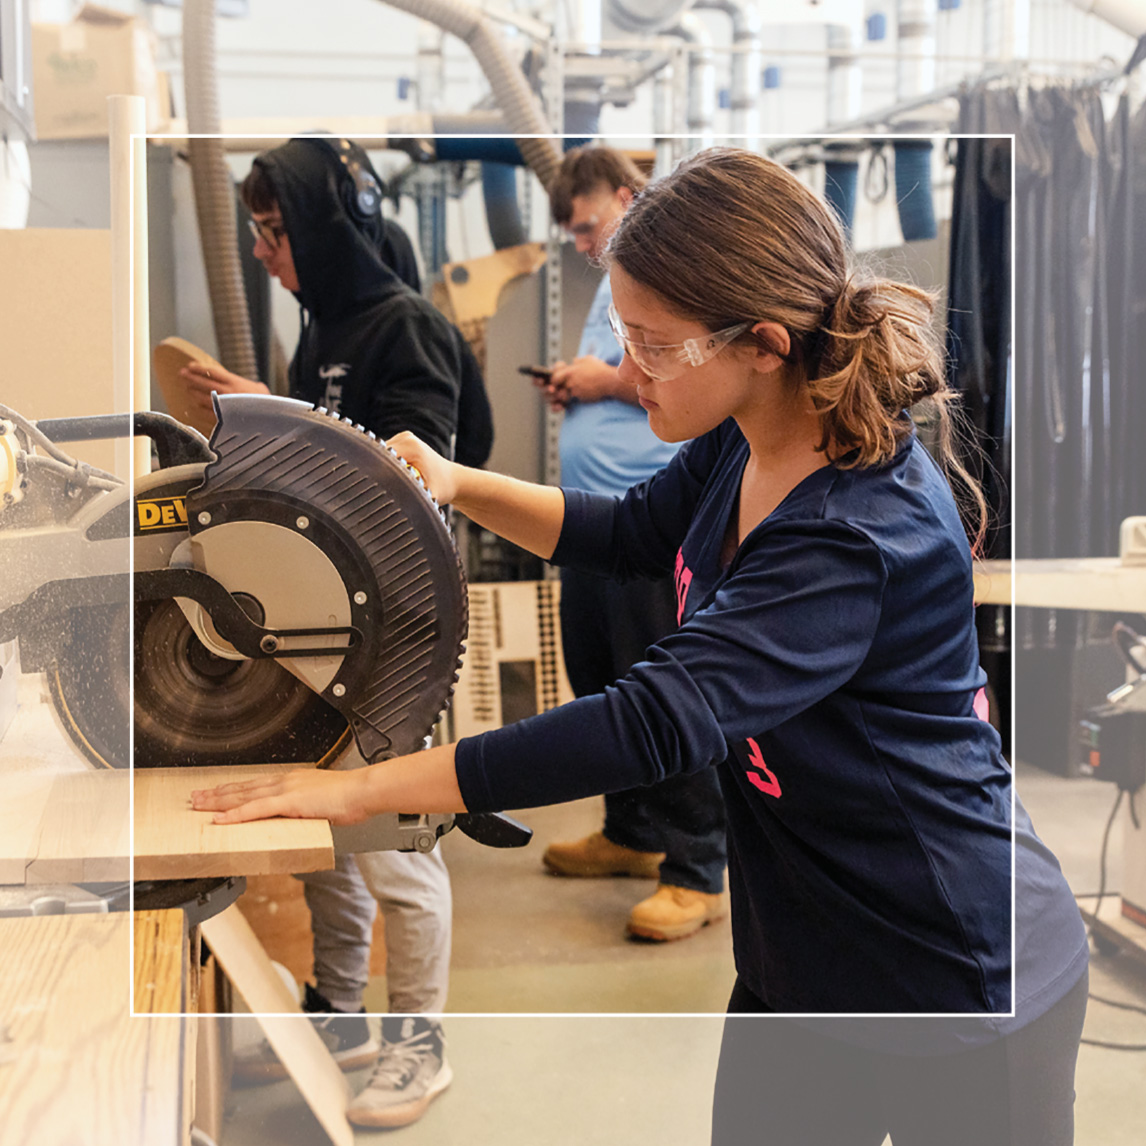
215, 192
510, 91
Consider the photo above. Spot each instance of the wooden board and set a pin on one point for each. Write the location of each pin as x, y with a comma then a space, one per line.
473, 287
161, 963
80, 1068
25, 798
174, 842
84, 836
290, 1033
171, 355
64, 828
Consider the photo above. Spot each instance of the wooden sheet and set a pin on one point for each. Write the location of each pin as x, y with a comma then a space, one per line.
174, 842
84, 835
473, 287
161, 973
69, 828
294, 1040
171, 355
81, 1069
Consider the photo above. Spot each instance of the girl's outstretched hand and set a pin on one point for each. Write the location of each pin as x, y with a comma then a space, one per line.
306, 793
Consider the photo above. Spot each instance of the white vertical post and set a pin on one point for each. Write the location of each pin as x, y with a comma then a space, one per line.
131, 335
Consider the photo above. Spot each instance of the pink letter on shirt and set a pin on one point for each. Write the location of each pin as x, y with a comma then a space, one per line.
683, 579
769, 786
981, 706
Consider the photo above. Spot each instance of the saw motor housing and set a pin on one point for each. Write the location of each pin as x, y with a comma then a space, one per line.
296, 597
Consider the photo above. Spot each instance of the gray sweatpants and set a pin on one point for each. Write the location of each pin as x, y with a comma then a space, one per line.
413, 891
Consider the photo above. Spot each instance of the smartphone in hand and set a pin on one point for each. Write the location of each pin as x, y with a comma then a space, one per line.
541, 373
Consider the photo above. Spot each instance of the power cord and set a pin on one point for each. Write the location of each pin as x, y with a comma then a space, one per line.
1090, 932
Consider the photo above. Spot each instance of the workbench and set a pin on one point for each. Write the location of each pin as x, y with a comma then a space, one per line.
100, 1048
77, 1067
1098, 584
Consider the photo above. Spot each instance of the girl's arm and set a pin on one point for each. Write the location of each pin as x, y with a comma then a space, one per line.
423, 782
528, 515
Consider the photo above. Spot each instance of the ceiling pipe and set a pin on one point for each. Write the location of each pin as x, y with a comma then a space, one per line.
662, 121
512, 94
845, 90
701, 115
1128, 16
643, 17
746, 63
915, 48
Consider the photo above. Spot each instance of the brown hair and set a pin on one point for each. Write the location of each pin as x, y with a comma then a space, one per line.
731, 236
584, 170
257, 190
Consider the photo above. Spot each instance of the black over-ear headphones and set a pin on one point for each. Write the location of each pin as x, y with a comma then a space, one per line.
362, 194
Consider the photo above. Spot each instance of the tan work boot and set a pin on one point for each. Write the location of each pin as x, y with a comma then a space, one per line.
674, 912
595, 855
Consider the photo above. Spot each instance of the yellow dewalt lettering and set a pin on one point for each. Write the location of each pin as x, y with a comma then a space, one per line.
149, 515
180, 510
168, 515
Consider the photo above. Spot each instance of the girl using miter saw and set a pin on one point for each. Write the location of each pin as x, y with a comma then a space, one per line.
825, 663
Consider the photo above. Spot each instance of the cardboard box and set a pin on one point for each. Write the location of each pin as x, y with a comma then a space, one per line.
76, 66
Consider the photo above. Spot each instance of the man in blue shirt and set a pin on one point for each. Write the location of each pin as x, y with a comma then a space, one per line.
675, 830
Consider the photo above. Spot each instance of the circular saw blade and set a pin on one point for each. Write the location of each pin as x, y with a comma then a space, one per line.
88, 682
194, 708
191, 707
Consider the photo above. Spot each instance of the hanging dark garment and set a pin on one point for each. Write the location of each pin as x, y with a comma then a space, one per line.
1078, 401
979, 344
979, 294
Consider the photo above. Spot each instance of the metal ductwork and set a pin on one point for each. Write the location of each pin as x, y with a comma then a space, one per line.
644, 17
1128, 16
662, 122
915, 49
701, 77
841, 163
502, 210
845, 80
746, 62
522, 114
214, 192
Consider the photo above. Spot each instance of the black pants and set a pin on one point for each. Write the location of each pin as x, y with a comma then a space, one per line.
605, 629
783, 1084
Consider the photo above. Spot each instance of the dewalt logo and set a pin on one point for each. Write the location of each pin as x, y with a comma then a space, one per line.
160, 515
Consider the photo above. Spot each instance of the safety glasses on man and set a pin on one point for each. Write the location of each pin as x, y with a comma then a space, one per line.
663, 363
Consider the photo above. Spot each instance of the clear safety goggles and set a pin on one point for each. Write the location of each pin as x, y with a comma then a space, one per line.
663, 363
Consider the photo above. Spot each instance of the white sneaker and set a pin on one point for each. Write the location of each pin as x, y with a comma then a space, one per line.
346, 1036
411, 1072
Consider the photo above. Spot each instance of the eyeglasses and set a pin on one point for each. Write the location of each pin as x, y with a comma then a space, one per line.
584, 230
663, 363
270, 233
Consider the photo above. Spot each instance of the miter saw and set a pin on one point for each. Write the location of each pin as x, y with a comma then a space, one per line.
295, 597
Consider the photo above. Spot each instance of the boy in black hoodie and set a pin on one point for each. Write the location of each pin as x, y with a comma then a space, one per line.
377, 352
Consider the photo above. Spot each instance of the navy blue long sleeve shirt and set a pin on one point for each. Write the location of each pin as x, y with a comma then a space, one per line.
829, 672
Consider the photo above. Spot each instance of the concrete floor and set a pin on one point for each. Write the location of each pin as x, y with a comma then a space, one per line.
528, 942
